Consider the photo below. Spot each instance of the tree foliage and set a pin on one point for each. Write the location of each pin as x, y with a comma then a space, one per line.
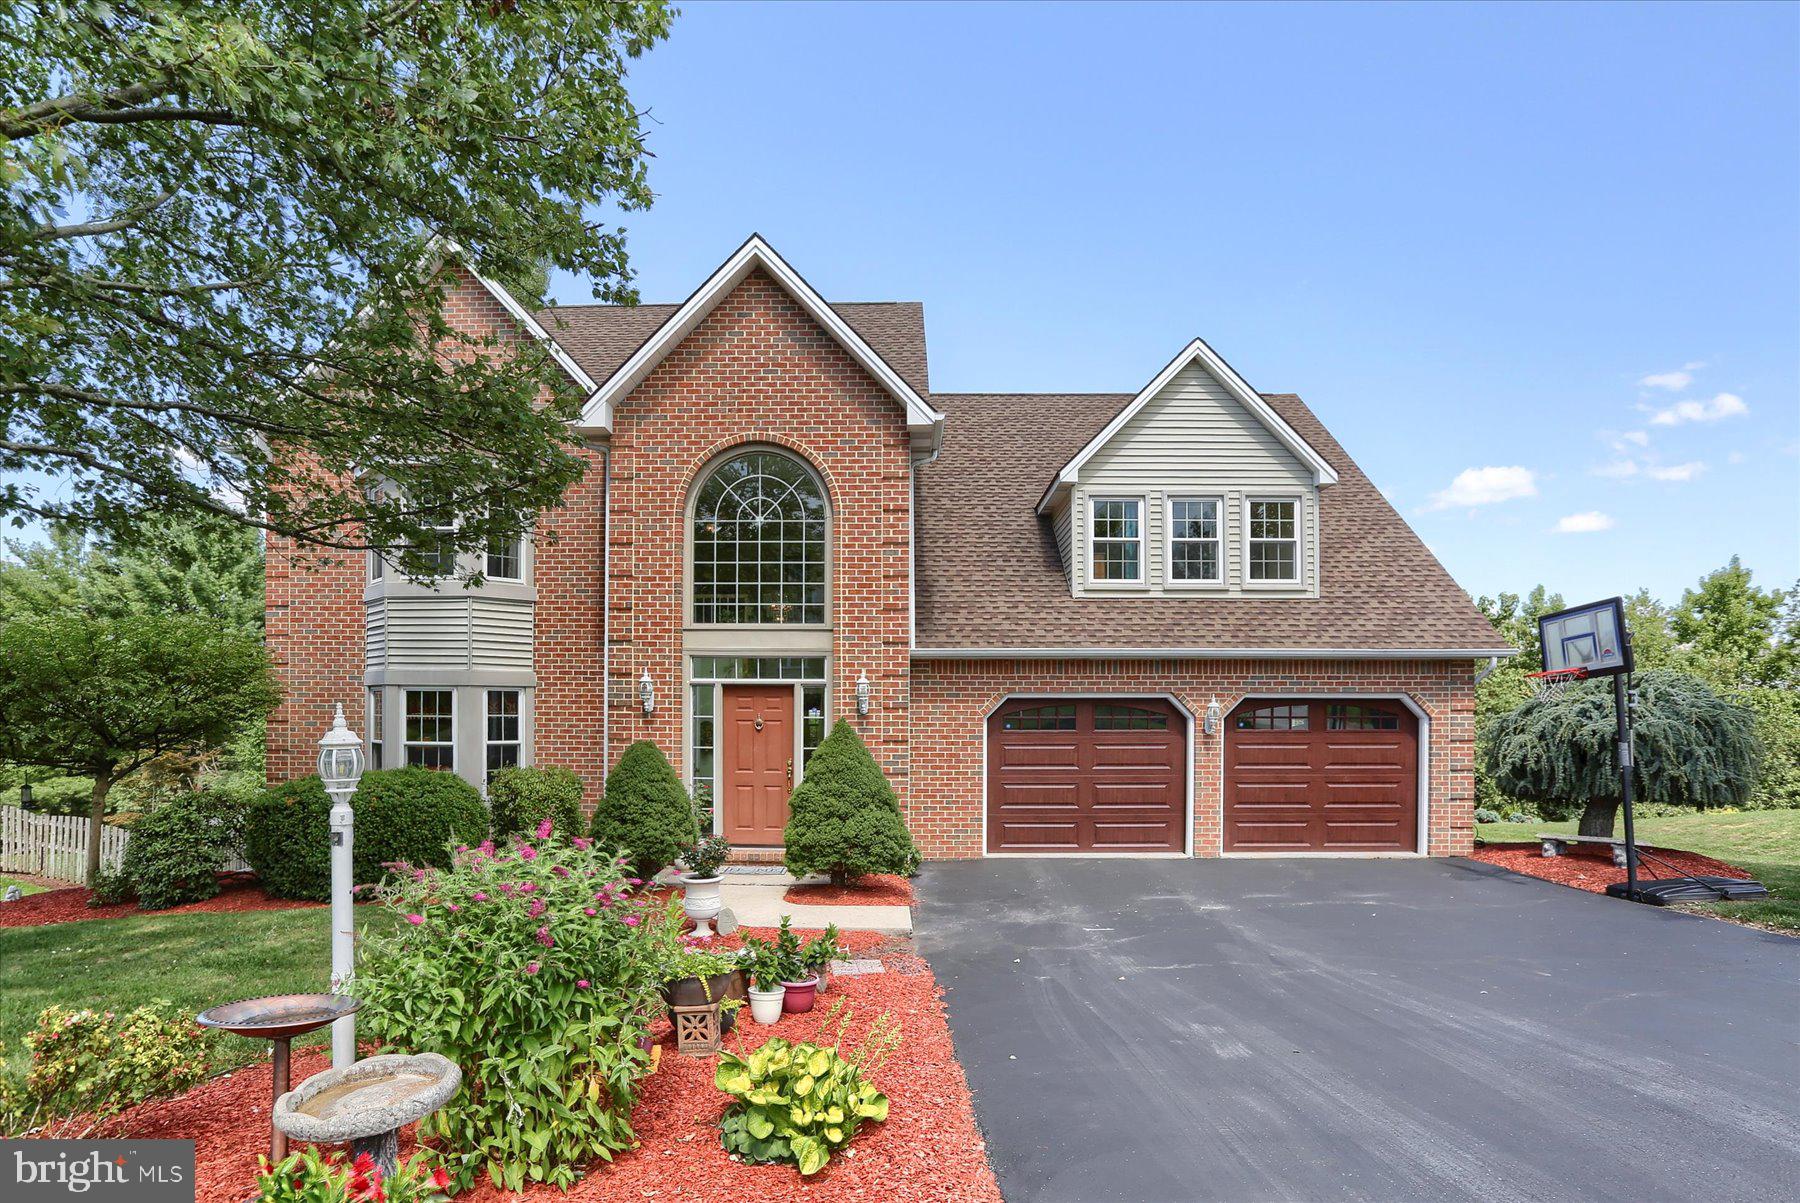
202, 566
1735, 633
104, 697
1690, 747
843, 818
218, 258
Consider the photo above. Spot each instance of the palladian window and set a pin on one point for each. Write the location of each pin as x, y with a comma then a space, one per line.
759, 543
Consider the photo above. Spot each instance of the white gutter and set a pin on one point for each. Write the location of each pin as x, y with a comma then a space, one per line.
1204, 653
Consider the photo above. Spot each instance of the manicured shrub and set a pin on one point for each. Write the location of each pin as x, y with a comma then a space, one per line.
179, 845
800, 1103
843, 819
98, 1063
1518, 816
645, 812
536, 970
521, 798
414, 817
112, 888
287, 839
1487, 816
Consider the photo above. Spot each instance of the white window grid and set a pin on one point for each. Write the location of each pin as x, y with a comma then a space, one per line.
505, 728
774, 511
1203, 512
1272, 526
1121, 549
430, 730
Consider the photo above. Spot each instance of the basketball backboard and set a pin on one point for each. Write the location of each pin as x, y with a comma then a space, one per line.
1590, 637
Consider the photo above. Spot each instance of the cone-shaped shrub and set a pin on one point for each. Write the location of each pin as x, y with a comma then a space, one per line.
645, 811
843, 818
521, 798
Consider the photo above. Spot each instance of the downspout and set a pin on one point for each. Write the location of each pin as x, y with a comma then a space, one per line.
605, 613
1484, 674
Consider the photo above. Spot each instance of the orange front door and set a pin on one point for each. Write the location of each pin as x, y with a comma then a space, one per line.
758, 762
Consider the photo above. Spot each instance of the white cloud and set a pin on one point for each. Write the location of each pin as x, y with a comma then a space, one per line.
1725, 405
1637, 438
1617, 470
1586, 523
1736, 457
1676, 472
1485, 486
1674, 381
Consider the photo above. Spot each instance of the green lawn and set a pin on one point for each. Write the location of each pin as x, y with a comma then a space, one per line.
1766, 842
194, 960
25, 887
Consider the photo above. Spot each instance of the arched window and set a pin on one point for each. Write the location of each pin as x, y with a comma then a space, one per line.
759, 542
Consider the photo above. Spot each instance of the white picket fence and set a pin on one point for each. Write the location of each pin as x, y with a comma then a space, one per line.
55, 846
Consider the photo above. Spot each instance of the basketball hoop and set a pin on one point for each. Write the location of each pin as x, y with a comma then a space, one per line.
1552, 681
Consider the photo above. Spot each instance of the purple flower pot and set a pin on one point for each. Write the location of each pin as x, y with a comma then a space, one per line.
800, 995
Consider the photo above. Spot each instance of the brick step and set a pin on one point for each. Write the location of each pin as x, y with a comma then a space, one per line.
754, 856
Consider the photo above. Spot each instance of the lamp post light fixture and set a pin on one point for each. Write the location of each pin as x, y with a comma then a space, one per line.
340, 768
1213, 714
647, 693
863, 692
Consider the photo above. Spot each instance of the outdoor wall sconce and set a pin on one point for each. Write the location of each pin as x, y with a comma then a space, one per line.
863, 692
1213, 715
647, 693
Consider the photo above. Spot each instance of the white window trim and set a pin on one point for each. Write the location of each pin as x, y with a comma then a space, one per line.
524, 565
1170, 580
487, 717
455, 728
1298, 581
1087, 535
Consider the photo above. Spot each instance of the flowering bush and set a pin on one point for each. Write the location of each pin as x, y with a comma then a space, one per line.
96, 1062
535, 968
310, 1176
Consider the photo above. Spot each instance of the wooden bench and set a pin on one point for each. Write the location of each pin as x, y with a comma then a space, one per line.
1557, 845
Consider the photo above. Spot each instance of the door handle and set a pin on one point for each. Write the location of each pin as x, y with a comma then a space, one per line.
790, 768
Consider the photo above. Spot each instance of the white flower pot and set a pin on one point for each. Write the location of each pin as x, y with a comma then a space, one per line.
701, 901
765, 1005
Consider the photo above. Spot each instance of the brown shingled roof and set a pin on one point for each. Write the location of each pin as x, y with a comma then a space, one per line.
988, 574
602, 337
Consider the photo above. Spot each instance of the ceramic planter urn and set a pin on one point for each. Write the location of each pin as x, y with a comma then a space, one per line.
700, 900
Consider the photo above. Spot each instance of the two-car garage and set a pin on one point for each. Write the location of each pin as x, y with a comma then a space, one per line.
1111, 775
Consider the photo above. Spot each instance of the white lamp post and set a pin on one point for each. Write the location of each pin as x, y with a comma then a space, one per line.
340, 768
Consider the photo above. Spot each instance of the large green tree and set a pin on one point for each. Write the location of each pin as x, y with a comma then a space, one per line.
204, 566
104, 697
1691, 747
218, 248
1735, 633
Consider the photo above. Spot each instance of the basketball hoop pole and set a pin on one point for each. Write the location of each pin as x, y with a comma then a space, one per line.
1622, 704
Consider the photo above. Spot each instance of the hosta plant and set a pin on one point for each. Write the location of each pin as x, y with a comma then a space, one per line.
800, 1103
312, 1176
535, 968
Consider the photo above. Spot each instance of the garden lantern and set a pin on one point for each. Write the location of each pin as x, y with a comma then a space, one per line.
340, 768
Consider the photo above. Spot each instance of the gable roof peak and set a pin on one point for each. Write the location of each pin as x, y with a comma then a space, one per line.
1199, 352
922, 419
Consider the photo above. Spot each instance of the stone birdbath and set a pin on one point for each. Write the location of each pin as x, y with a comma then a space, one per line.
366, 1104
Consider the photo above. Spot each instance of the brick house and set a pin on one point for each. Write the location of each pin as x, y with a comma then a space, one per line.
1178, 621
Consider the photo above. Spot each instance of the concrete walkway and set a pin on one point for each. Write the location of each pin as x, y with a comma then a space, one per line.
757, 900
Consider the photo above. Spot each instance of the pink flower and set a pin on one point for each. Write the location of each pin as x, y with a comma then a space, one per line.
590, 912
415, 920
454, 908
525, 887
545, 938
581, 983
537, 908
637, 881
532, 968
506, 887
418, 875
582, 842
487, 847
528, 854
479, 897
559, 870
544, 829
632, 920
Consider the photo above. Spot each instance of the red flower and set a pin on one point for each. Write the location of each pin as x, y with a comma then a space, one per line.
440, 1179
363, 1163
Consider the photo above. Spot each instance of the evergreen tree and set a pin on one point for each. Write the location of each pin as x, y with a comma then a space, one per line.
645, 811
844, 819
1690, 747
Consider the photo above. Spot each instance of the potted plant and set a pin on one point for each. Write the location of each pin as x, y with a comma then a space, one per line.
700, 883
692, 976
797, 975
767, 994
821, 952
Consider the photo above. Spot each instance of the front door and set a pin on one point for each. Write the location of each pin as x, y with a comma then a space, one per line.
758, 763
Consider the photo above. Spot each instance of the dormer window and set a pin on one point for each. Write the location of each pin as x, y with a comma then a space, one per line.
1196, 549
1272, 527
1116, 547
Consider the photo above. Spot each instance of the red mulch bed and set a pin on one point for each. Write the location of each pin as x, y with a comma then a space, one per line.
237, 892
1594, 871
929, 1148
877, 889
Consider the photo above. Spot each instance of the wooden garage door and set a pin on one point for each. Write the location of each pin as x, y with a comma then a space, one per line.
1317, 775
1087, 775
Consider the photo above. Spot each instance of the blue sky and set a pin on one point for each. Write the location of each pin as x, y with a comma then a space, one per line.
1536, 267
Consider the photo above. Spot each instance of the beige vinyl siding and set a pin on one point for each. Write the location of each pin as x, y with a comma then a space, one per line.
1059, 523
375, 632
1194, 439
437, 632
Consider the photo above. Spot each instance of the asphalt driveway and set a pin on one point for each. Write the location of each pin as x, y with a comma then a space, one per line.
1246, 1030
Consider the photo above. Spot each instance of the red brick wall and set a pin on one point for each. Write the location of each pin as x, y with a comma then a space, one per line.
313, 627
760, 370
952, 699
